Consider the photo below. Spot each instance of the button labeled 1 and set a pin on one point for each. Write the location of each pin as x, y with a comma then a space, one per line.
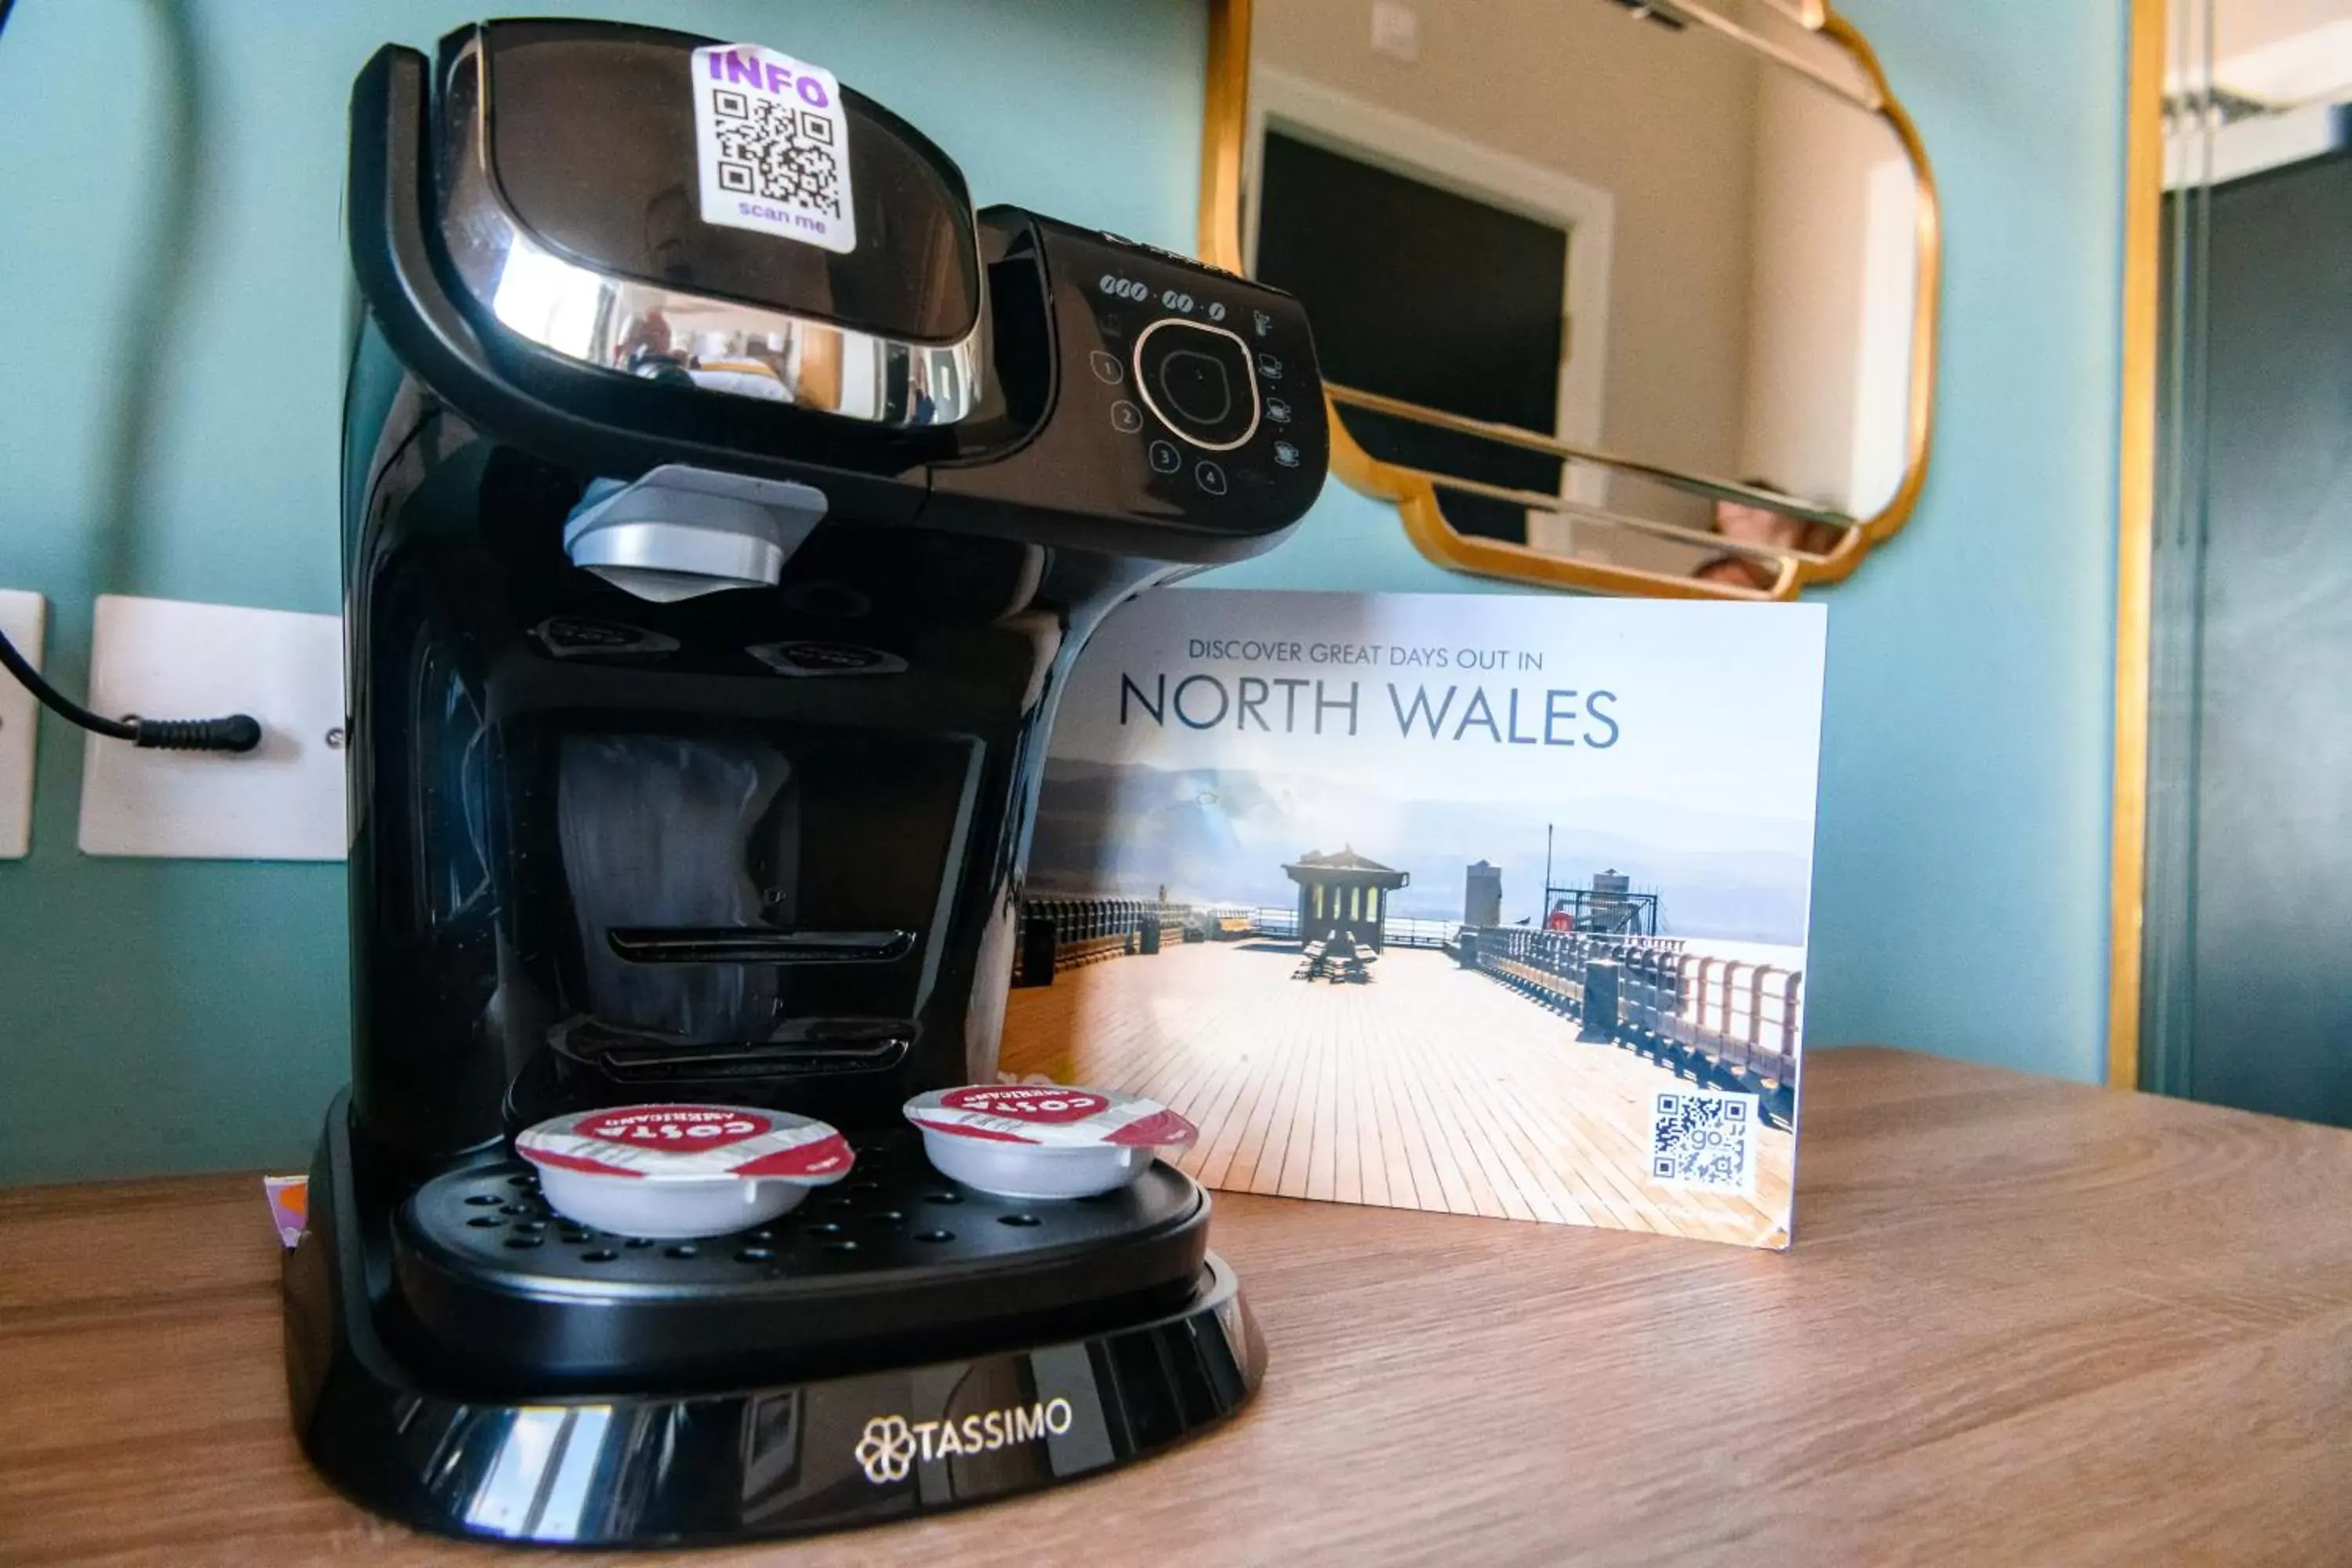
1107, 370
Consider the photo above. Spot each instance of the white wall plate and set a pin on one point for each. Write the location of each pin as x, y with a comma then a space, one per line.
163, 659
24, 618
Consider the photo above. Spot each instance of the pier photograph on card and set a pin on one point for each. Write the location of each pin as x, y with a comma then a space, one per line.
1483, 905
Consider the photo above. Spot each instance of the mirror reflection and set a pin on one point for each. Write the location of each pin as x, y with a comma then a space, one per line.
1639, 283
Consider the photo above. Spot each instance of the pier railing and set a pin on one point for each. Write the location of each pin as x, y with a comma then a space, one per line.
1726, 1022
1280, 922
1083, 930
1062, 933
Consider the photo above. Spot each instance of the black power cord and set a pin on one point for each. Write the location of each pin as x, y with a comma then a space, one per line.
236, 732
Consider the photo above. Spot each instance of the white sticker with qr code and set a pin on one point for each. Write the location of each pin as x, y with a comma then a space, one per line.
773, 145
1704, 1140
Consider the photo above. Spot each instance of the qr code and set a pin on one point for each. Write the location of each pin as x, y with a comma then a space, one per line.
1703, 1139
778, 152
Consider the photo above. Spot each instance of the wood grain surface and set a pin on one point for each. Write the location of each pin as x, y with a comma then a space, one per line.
2024, 1323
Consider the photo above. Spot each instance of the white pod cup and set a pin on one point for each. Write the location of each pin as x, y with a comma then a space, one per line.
677, 1171
1044, 1140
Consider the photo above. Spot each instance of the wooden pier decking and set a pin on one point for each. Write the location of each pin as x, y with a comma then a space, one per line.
1433, 1086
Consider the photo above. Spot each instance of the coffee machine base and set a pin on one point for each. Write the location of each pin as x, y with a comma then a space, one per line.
401, 1426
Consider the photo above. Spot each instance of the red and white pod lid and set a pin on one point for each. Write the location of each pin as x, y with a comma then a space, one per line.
690, 1143
1050, 1116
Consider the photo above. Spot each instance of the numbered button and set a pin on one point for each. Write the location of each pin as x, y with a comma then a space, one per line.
1278, 410
1126, 417
1165, 460
1269, 367
1107, 370
1211, 479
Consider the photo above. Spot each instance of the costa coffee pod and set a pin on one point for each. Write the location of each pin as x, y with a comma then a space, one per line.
1044, 1140
675, 1171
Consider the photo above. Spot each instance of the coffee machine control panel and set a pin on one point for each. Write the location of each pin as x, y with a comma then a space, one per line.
1183, 398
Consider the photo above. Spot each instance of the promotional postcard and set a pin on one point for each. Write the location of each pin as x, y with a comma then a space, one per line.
1490, 905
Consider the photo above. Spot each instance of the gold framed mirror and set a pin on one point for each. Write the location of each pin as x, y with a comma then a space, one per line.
1610, 296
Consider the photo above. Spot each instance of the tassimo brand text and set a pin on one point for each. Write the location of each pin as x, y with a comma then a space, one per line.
891, 1445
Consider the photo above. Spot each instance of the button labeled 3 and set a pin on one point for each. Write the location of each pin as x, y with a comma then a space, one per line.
1164, 457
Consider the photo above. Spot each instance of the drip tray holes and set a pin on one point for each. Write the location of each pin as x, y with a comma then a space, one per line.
886, 1217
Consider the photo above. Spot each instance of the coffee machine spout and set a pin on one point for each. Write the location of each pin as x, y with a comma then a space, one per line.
682, 531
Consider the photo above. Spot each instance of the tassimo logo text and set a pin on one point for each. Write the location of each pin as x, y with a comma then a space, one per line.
891, 1443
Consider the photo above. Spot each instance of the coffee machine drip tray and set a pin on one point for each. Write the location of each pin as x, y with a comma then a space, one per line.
897, 1264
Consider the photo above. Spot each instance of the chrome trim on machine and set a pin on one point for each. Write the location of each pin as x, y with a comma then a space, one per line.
642, 328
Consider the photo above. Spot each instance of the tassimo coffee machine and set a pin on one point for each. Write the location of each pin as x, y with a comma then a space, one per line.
724, 505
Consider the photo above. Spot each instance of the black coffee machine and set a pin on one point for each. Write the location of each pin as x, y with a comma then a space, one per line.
724, 505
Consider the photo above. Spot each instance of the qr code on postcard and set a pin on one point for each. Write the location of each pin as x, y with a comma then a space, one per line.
1704, 1140
778, 151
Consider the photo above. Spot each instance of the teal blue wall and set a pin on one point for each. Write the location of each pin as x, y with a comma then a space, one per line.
169, 258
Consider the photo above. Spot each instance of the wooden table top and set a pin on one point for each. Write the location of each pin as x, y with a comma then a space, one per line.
2025, 1322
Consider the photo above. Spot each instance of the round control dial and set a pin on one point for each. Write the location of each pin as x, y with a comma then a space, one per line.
1199, 381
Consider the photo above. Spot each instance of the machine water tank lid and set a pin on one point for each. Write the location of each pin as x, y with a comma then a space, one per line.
682, 531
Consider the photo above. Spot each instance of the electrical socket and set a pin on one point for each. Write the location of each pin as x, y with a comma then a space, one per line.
163, 659
25, 618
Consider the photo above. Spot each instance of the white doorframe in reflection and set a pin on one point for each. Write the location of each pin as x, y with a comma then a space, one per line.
1340, 122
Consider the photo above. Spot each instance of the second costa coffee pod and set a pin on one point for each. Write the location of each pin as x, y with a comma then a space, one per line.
1044, 1140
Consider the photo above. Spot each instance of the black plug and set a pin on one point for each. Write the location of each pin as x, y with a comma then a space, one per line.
236, 732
